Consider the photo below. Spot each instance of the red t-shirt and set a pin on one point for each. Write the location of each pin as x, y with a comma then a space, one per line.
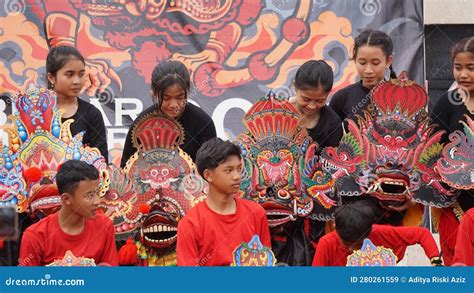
45, 242
206, 238
464, 249
331, 252
448, 229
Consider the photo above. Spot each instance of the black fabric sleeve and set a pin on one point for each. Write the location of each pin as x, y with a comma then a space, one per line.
97, 135
440, 116
128, 149
208, 131
335, 134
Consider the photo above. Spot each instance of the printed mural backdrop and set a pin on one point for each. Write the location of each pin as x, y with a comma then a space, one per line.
235, 49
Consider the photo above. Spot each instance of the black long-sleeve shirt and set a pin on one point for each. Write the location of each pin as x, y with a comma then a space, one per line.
198, 128
350, 101
89, 119
328, 131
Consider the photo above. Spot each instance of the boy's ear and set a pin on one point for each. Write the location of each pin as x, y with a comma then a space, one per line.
389, 60
66, 198
207, 175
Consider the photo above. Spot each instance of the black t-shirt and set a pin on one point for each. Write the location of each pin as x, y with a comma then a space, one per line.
198, 128
350, 101
89, 119
328, 131
446, 115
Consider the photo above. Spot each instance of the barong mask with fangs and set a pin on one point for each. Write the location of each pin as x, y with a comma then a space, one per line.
456, 165
40, 141
391, 153
159, 175
281, 171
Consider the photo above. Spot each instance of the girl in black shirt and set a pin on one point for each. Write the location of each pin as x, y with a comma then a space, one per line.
170, 84
65, 67
313, 82
372, 55
447, 112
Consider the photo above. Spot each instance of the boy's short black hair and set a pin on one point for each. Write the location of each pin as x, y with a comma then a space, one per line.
354, 220
214, 152
72, 173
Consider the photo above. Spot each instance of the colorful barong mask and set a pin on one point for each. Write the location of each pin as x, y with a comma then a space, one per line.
12, 185
160, 176
372, 256
391, 153
39, 140
282, 172
456, 165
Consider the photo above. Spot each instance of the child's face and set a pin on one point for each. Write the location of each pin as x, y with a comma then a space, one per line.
85, 200
311, 100
69, 80
463, 71
371, 64
174, 101
227, 176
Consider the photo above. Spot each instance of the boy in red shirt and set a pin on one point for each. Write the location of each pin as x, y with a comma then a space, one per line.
77, 226
355, 222
210, 231
464, 249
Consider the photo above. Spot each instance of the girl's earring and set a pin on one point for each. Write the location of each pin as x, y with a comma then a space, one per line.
52, 87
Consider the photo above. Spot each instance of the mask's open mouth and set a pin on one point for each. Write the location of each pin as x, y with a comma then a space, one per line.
159, 232
278, 214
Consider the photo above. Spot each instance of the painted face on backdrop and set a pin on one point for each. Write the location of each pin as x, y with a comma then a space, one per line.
69, 80
371, 64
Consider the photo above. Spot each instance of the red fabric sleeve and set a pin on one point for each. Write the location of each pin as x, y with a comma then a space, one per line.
409, 236
264, 230
321, 257
109, 255
31, 250
186, 248
464, 249
448, 228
